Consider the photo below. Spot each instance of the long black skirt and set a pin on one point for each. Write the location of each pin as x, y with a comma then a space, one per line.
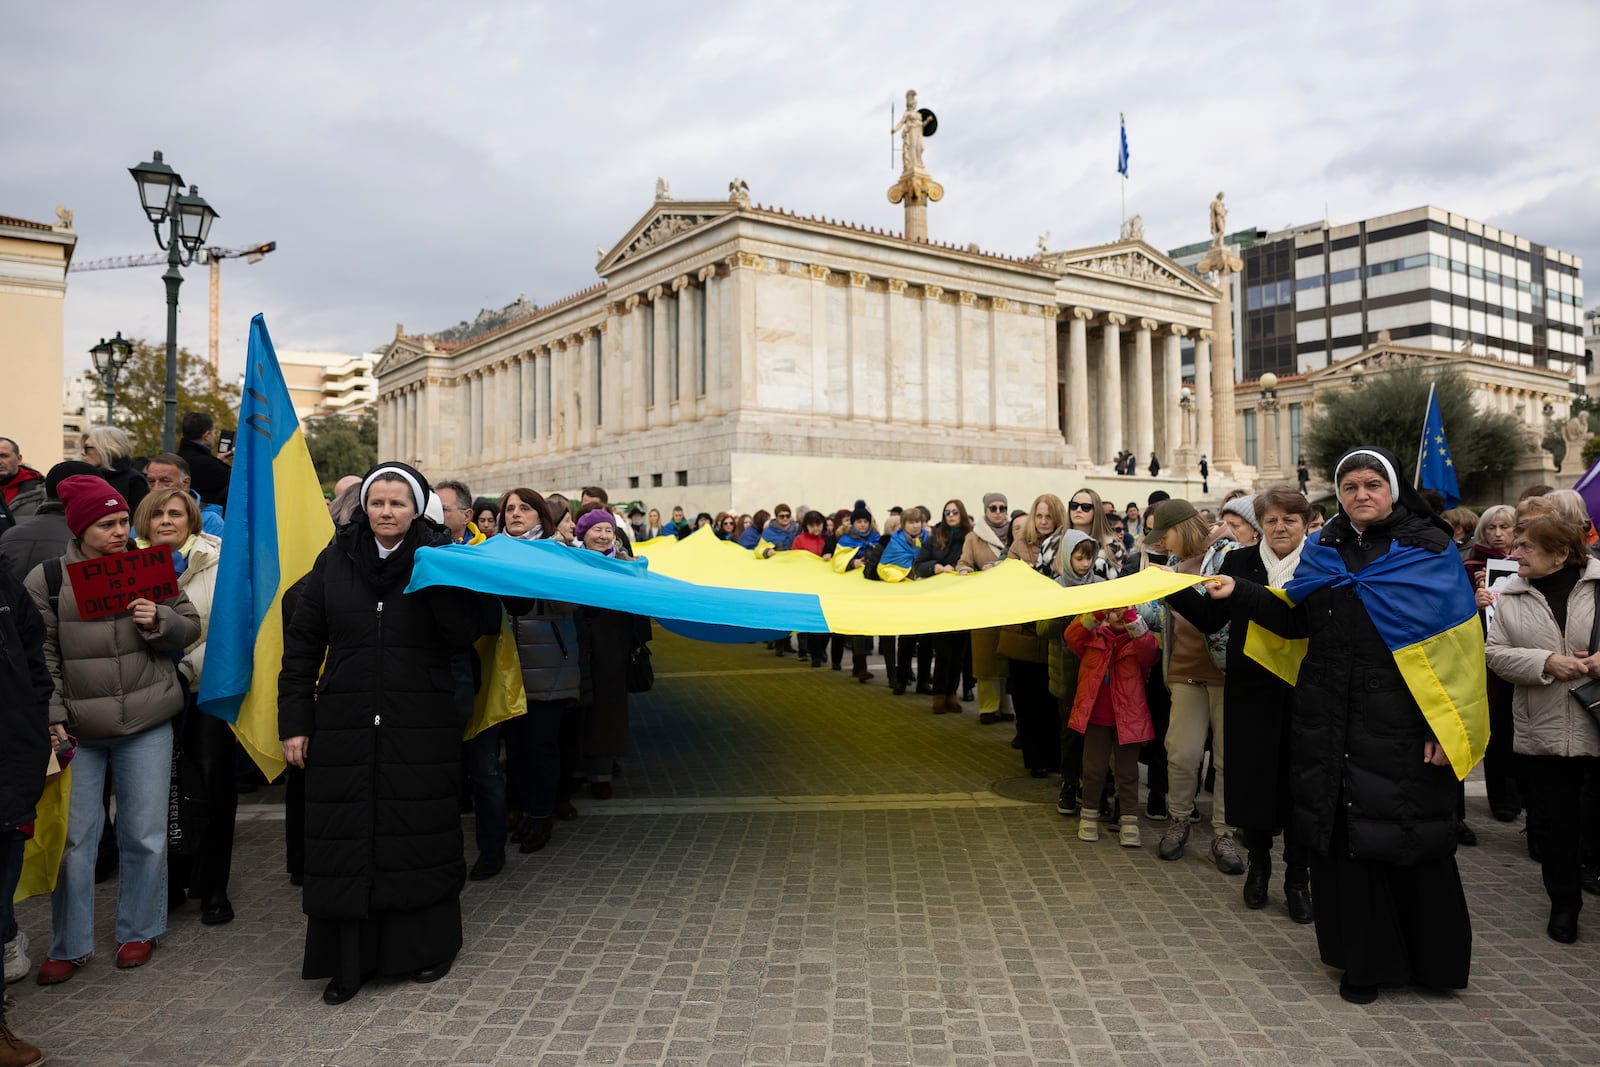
394, 943
1385, 924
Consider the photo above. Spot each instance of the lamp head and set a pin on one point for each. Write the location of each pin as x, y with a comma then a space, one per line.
158, 185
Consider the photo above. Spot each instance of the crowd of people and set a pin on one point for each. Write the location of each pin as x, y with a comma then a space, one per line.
378, 684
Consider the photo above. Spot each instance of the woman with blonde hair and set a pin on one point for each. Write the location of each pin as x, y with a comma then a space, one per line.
1041, 535
111, 450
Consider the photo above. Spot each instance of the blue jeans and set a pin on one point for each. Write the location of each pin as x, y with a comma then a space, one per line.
141, 767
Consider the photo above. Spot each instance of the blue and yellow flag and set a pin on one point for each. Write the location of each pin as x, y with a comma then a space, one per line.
1421, 603
277, 523
1435, 467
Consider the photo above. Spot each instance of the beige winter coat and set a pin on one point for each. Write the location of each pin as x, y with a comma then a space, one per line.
113, 679
1548, 720
198, 582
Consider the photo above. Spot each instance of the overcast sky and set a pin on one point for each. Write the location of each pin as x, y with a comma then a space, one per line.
418, 161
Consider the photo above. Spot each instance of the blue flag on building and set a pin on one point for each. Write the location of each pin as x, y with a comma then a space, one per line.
1122, 153
277, 523
1435, 468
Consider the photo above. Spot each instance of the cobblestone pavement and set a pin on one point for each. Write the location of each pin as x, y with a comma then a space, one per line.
801, 869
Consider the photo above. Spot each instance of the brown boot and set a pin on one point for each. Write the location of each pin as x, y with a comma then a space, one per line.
951, 704
939, 707
15, 1052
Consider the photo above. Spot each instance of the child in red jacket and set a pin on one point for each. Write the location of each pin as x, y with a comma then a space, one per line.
1115, 652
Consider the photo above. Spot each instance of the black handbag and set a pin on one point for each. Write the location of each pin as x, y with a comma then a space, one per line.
1588, 693
641, 674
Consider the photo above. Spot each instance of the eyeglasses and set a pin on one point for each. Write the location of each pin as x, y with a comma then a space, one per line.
952, 511
1001, 508
783, 514
1076, 506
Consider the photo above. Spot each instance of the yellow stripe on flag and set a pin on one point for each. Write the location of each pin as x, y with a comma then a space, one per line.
41, 856
1448, 678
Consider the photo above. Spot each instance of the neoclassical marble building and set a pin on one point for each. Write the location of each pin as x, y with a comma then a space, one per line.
733, 354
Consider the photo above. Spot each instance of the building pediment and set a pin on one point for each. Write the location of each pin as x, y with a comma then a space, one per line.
1385, 357
400, 352
1130, 261
663, 224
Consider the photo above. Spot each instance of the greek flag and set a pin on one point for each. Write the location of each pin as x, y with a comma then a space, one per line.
1122, 153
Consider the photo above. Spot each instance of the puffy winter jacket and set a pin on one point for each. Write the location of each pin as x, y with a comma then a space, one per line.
113, 678
1121, 662
547, 645
1548, 720
28, 544
25, 688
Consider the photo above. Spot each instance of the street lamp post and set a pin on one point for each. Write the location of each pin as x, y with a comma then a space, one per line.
109, 359
188, 219
1269, 407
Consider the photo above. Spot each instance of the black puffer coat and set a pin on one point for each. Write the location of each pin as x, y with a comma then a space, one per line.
929, 556
383, 772
1256, 702
547, 645
1358, 734
25, 688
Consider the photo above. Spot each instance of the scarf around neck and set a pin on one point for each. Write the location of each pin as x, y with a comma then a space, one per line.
1280, 568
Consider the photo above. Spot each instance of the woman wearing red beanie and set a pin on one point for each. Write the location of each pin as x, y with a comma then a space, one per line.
117, 691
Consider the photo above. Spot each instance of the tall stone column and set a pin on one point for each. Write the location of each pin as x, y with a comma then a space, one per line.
710, 385
577, 410
1221, 262
1202, 394
819, 338
739, 330
857, 353
661, 355
633, 400
1078, 425
528, 375
558, 391
688, 359
896, 337
933, 360
1111, 441
1143, 389
1171, 436
547, 407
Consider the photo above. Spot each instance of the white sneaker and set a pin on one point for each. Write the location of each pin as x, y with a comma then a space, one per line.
1089, 827
17, 963
1128, 832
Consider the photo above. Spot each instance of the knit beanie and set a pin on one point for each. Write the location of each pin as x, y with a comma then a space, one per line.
993, 498
1245, 508
860, 511
87, 500
590, 519
61, 472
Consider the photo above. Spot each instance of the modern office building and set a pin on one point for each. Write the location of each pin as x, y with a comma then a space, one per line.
1312, 295
329, 383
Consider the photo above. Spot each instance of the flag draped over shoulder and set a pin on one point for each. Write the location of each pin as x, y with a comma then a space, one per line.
1422, 605
277, 522
1435, 467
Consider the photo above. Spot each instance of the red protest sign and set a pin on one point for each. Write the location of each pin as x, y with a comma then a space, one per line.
104, 585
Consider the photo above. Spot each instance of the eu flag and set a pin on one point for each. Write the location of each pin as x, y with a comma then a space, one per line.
1122, 153
1435, 468
277, 523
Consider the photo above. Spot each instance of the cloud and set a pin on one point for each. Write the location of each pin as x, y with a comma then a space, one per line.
416, 163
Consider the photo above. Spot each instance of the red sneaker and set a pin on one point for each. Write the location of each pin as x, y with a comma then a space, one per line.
54, 972
134, 954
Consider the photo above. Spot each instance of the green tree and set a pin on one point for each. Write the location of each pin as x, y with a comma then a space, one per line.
142, 391
1387, 409
341, 445
1591, 451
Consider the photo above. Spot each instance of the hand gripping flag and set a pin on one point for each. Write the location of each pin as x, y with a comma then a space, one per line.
1435, 468
277, 522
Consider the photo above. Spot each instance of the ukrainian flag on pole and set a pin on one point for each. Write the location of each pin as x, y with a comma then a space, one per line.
277, 523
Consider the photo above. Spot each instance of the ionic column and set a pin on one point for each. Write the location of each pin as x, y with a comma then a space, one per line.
661, 353
710, 383
402, 426
528, 376
1144, 397
1078, 425
856, 351
1111, 385
739, 330
558, 392
634, 379
819, 336
963, 372
1205, 440
1171, 383
995, 345
896, 332
688, 358
611, 419
494, 430
546, 375
932, 359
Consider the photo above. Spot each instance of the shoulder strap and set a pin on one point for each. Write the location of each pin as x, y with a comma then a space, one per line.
1594, 631
52, 583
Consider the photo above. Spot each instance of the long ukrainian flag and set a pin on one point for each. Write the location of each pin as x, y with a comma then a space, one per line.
1422, 604
277, 523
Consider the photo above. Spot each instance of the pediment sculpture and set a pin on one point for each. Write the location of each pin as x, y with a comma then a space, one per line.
663, 229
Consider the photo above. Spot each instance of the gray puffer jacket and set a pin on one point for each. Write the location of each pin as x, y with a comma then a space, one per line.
112, 678
1548, 720
547, 645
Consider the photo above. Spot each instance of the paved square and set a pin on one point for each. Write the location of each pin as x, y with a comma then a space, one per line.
799, 869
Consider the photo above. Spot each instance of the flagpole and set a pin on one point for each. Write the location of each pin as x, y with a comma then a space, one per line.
1422, 445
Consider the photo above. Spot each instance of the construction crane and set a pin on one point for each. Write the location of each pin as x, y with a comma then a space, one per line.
211, 256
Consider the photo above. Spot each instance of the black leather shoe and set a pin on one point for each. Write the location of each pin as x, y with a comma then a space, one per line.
1256, 877
216, 910
1297, 895
538, 835
1357, 994
432, 974
335, 993
1563, 926
488, 865
1465, 835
